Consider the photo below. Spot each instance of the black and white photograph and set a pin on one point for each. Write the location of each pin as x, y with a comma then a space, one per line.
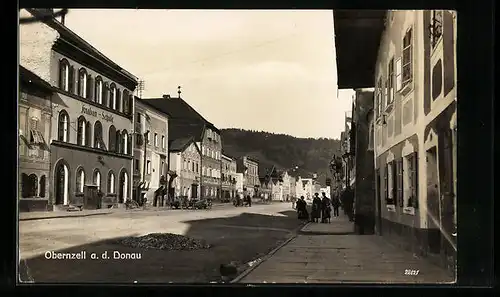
161, 146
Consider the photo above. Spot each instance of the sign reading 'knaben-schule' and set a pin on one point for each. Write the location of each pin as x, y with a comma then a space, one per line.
105, 117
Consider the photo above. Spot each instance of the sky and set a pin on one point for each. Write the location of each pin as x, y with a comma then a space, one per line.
271, 70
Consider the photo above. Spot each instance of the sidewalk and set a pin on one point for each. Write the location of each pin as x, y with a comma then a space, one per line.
315, 256
38, 215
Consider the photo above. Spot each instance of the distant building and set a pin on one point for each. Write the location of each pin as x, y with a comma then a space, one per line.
239, 187
228, 177
185, 159
250, 169
265, 189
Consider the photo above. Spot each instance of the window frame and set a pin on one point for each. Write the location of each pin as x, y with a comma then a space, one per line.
98, 141
81, 134
98, 90
80, 180
390, 81
64, 76
111, 186
407, 83
436, 24
82, 82
63, 135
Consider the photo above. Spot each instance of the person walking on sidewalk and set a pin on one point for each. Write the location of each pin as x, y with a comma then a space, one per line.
316, 208
348, 200
336, 205
301, 206
325, 209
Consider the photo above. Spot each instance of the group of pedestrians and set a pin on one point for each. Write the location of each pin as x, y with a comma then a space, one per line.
322, 207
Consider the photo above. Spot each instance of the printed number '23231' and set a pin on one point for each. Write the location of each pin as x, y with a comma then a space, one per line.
411, 272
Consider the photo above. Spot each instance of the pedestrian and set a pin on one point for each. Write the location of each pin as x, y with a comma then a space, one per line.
249, 201
301, 206
348, 200
336, 205
293, 202
316, 208
325, 209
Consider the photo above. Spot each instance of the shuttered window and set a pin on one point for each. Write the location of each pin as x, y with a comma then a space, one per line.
407, 67
399, 182
413, 179
390, 81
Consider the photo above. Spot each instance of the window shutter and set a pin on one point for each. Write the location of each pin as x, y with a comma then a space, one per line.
71, 76
414, 180
105, 94
448, 52
118, 100
130, 104
399, 70
90, 86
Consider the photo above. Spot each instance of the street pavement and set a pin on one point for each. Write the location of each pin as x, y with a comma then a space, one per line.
239, 234
327, 253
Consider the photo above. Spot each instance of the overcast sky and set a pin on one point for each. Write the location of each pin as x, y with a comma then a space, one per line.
262, 70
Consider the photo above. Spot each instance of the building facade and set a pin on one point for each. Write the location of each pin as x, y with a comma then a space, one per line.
150, 151
265, 188
240, 180
185, 122
415, 133
250, 169
185, 159
35, 114
90, 142
211, 149
228, 177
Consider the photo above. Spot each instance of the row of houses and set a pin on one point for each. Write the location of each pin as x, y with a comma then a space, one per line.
86, 140
402, 134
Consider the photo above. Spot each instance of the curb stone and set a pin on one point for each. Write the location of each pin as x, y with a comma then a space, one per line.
266, 257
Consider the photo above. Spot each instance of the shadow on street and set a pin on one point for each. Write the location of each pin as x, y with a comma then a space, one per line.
241, 238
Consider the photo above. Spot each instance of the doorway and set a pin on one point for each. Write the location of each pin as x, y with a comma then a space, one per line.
61, 184
433, 209
194, 191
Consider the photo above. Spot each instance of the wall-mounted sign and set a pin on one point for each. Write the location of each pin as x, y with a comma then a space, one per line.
102, 115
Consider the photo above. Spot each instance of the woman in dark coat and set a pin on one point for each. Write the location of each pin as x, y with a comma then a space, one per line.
301, 206
325, 209
316, 208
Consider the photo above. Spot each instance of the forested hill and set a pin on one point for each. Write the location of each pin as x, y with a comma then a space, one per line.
283, 151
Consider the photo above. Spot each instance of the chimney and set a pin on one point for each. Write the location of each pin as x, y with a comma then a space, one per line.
166, 96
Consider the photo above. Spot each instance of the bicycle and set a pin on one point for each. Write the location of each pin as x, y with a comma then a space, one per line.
131, 204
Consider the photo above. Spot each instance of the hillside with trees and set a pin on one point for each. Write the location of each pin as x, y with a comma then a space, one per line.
283, 151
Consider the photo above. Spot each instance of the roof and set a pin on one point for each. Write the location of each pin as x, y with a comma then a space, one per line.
252, 159
66, 34
137, 99
357, 39
28, 77
179, 145
184, 120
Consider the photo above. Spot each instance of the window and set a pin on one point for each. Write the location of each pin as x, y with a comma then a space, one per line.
162, 168
118, 100
106, 99
436, 26
192, 166
371, 132
379, 97
407, 58
82, 82
399, 182
412, 177
111, 182
112, 139
125, 102
136, 165
125, 142
118, 142
197, 169
148, 167
388, 199
398, 75
147, 137
64, 75
63, 129
156, 139
98, 141
80, 180
390, 82
112, 95
29, 185
163, 141
138, 117
36, 137
98, 90
96, 179
81, 133
88, 134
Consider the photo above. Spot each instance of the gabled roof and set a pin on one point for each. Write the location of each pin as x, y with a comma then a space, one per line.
28, 77
184, 120
179, 145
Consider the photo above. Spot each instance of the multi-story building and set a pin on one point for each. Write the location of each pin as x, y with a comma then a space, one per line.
250, 169
150, 152
239, 186
185, 159
265, 188
90, 141
304, 187
35, 116
414, 74
185, 122
287, 181
228, 177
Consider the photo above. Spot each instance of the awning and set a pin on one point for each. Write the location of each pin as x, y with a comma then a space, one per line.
357, 39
